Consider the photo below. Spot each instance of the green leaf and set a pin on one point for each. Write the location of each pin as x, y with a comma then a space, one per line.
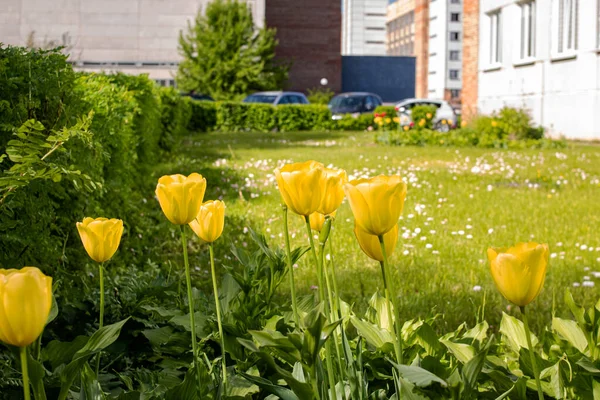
571, 332
36, 377
58, 353
184, 321
578, 312
186, 390
90, 388
557, 386
417, 375
374, 335
514, 332
472, 369
269, 387
462, 351
100, 340
240, 387
596, 389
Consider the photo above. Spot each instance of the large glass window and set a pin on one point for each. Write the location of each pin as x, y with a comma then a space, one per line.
527, 30
566, 32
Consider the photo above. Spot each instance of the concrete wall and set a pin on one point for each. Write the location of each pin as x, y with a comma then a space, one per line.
364, 27
143, 33
470, 59
392, 78
562, 92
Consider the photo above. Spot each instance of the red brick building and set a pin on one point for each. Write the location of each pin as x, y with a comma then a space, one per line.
309, 33
470, 58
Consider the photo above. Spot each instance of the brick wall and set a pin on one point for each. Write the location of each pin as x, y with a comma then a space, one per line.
470, 58
309, 33
422, 46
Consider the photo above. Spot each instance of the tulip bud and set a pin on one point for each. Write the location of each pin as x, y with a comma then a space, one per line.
180, 197
210, 221
324, 235
519, 271
25, 303
100, 237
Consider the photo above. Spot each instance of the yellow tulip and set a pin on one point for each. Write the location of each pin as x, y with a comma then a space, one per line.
519, 271
334, 180
302, 186
376, 202
406, 127
370, 243
25, 303
180, 197
210, 221
100, 237
388, 120
396, 119
428, 115
377, 120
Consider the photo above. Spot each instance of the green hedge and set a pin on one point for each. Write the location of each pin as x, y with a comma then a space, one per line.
232, 116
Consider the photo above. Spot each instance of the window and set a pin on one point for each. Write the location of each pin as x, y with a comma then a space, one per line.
369, 103
567, 26
455, 1
455, 93
495, 38
455, 17
454, 36
375, 28
454, 55
454, 74
527, 30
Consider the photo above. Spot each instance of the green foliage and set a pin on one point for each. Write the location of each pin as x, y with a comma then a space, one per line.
389, 111
350, 123
422, 116
176, 113
225, 56
203, 116
320, 95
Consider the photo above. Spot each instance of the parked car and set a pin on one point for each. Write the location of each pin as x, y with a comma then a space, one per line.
355, 103
444, 119
277, 98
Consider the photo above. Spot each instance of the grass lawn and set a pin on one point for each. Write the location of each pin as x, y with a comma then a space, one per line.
460, 201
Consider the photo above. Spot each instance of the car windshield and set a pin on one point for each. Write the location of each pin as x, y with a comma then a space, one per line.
260, 98
346, 102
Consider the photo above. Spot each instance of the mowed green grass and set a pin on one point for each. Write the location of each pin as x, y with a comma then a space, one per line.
459, 202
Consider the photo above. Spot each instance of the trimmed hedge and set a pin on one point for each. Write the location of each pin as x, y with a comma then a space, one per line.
232, 116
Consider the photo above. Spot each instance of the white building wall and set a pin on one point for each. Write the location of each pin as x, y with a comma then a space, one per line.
562, 93
98, 33
440, 46
363, 27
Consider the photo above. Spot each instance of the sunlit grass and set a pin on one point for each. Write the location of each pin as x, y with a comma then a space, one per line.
460, 201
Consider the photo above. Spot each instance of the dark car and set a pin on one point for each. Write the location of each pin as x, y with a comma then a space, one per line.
277, 98
354, 103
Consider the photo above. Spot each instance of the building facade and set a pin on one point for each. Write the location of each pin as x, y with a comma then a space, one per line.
541, 55
142, 36
445, 50
431, 31
309, 33
364, 27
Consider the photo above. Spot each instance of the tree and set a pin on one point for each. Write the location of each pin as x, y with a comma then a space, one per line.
225, 56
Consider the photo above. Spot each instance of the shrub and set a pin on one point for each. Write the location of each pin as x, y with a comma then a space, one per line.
350, 123
261, 117
302, 117
389, 111
422, 116
175, 115
320, 95
203, 116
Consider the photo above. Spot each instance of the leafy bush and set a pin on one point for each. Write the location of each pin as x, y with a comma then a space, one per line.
350, 123
320, 95
302, 117
422, 116
389, 111
176, 112
203, 116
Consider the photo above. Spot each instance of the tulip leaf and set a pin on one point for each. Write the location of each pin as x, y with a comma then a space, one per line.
36, 376
269, 387
100, 340
374, 335
186, 390
238, 387
90, 387
417, 375
514, 332
58, 353
472, 369
571, 332
462, 351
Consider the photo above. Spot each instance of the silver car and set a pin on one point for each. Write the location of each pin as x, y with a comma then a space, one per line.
444, 119
277, 98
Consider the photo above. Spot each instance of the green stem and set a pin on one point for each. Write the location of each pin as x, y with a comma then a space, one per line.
188, 281
218, 308
338, 305
390, 289
24, 370
333, 314
328, 351
101, 275
290, 266
536, 371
